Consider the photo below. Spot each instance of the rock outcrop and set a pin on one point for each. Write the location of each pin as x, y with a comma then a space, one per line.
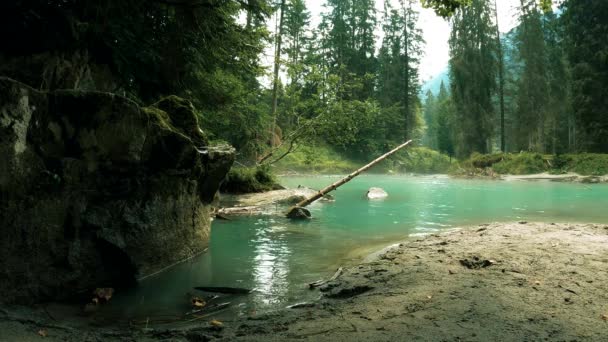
98, 192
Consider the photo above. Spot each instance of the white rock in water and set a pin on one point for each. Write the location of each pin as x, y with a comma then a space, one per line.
375, 193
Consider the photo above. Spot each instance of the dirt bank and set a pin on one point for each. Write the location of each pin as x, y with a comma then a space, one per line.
495, 282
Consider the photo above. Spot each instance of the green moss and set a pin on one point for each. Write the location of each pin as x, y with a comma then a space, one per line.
241, 180
177, 115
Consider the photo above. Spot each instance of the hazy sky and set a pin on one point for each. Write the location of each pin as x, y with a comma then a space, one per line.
436, 32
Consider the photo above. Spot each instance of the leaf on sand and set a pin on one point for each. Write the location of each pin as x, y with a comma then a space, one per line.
104, 293
43, 332
198, 302
605, 317
216, 323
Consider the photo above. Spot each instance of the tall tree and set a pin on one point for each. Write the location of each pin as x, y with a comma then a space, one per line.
444, 122
399, 59
586, 29
501, 80
430, 110
473, 75
533, 92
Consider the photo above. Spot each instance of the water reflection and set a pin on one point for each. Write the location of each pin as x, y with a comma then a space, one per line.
271, 265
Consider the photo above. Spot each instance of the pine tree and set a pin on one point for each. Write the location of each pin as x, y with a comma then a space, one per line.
473, 76
399, 59
533, 95
586, 29
444, 122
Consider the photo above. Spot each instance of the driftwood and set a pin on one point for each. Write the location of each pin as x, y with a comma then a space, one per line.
228, 290
323, 282
297, 209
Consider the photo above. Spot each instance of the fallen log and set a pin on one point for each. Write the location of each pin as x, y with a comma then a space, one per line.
226, 290
297, 212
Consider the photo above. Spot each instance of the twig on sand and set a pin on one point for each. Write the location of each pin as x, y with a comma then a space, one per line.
323, 282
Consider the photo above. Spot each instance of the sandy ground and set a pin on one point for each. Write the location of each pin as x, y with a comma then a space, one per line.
494, 282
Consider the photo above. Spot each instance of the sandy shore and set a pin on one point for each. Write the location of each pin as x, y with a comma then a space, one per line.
495, 282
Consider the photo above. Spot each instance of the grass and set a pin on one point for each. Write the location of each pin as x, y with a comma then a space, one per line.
322, 159
585, 164
319, 159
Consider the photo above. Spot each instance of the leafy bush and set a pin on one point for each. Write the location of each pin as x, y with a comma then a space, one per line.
584, 163
486, 160
522, 164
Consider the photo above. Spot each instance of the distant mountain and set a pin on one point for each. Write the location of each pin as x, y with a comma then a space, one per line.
435, 83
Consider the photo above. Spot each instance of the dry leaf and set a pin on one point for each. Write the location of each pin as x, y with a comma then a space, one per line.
95, 300
429, 297
605, 317
198, 302
42, 332
537, 282
216, 323
104, 293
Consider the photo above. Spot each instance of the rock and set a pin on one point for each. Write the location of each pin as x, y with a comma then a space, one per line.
299, 213
98, 192
376, 193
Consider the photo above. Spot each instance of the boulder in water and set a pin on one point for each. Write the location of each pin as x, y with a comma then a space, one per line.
376, 193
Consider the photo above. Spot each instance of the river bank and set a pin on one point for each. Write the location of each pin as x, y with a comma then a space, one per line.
513, 281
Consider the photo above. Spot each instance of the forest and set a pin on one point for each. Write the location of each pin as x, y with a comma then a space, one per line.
352, 82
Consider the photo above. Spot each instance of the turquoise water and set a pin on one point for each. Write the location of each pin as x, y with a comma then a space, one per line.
278, 257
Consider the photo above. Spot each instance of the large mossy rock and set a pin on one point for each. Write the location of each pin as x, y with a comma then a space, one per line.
96, 191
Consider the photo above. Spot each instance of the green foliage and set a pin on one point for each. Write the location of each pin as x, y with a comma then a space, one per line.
532, 163
585, 163
318, 158
479, 160
522, 164
241, 180
445, 8
420, 160
324, 160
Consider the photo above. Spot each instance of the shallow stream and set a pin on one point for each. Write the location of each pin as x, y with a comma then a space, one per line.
277, 257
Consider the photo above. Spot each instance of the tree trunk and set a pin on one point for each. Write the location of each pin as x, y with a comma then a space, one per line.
344, 180
277, 65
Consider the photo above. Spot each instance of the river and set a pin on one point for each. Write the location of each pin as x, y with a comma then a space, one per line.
277, 257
